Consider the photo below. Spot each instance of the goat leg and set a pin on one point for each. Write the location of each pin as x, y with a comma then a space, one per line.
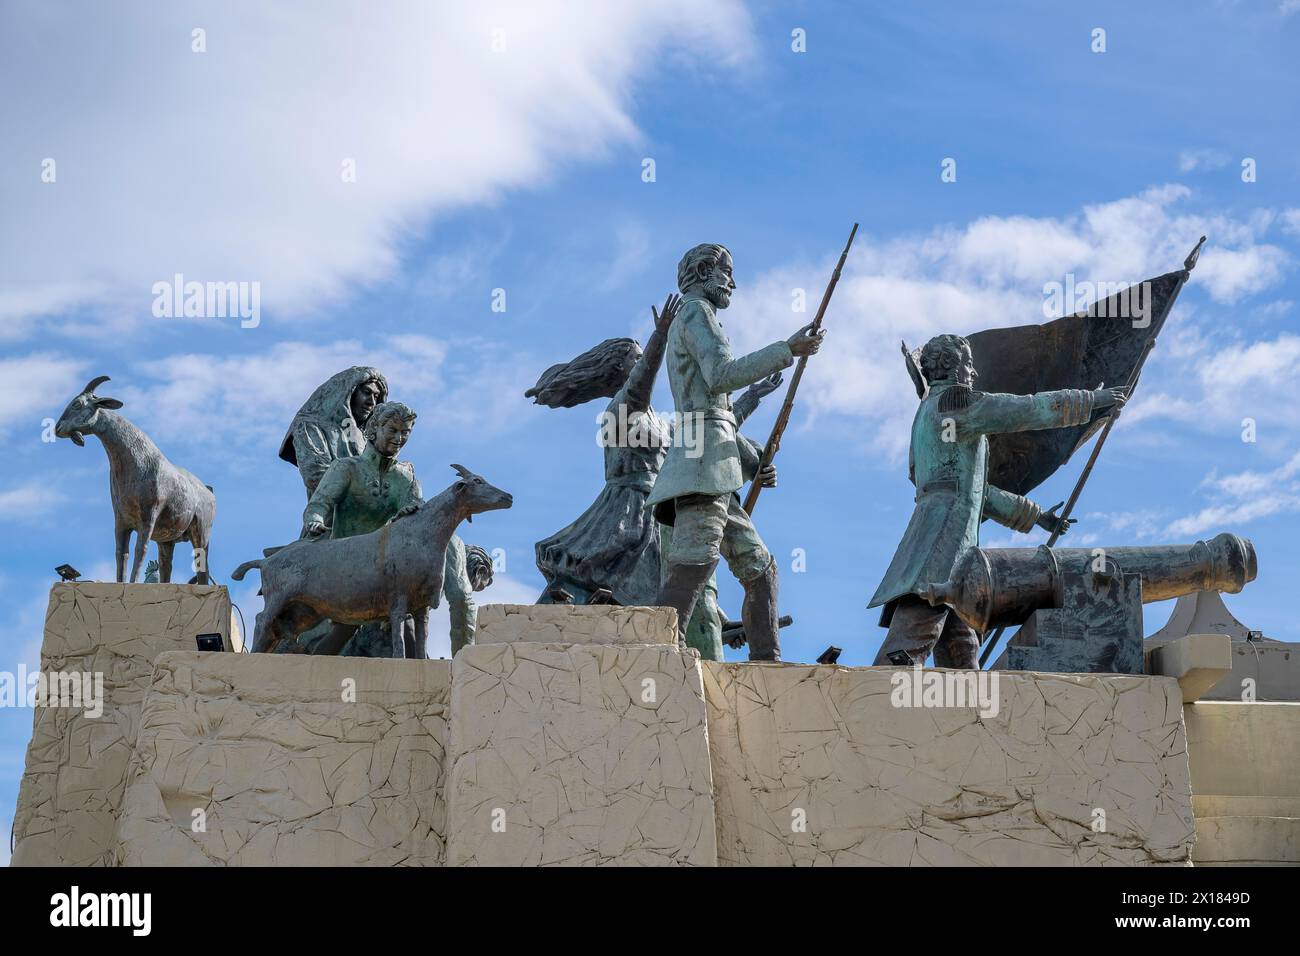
143, 535
122, 540
165, 550
421, 649
397, 627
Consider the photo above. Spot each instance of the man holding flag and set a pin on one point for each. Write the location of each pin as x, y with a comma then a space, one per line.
948, 464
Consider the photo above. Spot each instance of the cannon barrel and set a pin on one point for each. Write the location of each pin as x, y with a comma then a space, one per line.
994, 587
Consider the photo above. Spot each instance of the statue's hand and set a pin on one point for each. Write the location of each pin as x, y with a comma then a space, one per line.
767, 476
1052, 523
410, 508
665, 318
313, 526
766, 386
806, 342
1106, 397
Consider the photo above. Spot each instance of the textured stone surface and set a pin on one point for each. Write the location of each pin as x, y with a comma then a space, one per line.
878, 784
575, 624
1247, 781
1196, 661
287, 771
563, 745
76, 765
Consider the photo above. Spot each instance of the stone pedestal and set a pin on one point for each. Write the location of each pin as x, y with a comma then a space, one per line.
583, 754
76, 764
285, 760
817, 765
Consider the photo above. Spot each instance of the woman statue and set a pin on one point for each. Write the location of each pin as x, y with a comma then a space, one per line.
329, 424
610, 554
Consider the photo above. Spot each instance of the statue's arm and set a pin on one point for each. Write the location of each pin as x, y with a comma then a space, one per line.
413, 500
460, 595
703, 339
1011, 510
993, 412
333, 486
640, 384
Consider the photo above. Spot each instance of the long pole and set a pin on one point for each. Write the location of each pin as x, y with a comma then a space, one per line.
1112, 416
783, 419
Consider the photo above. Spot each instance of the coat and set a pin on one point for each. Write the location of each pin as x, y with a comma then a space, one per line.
704, 457
949, 465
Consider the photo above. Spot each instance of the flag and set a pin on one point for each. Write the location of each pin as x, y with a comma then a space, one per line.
1103, 344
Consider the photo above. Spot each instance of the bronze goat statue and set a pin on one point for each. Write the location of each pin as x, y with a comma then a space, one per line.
152, 497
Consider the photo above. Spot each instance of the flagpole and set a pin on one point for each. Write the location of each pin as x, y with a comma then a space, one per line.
1112, 416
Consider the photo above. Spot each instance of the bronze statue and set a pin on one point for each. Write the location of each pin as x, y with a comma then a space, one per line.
382, 575
152, 497
611, 552
329, 424
696, 490
948, 464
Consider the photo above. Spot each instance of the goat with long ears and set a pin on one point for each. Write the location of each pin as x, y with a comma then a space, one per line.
157, 500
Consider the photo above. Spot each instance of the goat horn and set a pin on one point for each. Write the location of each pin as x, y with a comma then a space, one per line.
463, 471
94, 384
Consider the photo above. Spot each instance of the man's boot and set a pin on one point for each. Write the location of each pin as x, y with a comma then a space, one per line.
681, 589
760, 617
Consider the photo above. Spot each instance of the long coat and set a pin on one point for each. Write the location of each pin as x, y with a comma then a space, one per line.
704, 457
949, 465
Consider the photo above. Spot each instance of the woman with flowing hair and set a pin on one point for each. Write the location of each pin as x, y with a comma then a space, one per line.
610, 553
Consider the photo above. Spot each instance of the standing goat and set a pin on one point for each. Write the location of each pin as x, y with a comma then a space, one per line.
384, 575
151, 496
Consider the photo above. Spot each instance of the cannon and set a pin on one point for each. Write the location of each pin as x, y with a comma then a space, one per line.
1086, 603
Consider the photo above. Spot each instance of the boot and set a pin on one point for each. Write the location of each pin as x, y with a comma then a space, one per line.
759, 615
681, 589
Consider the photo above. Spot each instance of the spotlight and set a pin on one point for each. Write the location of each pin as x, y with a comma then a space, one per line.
900, 659
210, 642
67, 572
831, 655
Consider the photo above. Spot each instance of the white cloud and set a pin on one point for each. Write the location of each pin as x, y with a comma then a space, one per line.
32, 385
29, 502
988, 273
227, 164
1245, 496
1207, 158
241, 404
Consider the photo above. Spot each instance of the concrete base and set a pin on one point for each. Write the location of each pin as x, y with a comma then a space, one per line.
579, 755
1197, 662
1245, 761
285, 760
818, 766
623, 753
71, 790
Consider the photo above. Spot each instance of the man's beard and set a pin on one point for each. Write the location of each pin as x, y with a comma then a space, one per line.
719, 295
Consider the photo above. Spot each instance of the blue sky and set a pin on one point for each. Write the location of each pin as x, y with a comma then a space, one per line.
520, 168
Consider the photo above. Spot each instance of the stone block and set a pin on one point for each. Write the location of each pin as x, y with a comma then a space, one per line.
815, 765
579, 754
288, 760
1197, 662
575, 624
76, 764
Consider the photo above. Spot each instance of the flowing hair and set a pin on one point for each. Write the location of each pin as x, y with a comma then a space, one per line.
598, 372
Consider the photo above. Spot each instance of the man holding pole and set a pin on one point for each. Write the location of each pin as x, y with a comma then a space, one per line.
949, 467
696, 488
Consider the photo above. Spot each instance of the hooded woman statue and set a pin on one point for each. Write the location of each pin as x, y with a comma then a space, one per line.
329, 424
